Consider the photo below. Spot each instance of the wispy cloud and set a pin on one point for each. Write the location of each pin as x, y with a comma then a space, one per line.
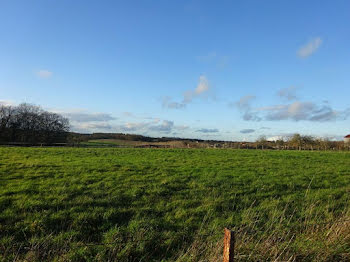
85, 121
309, 48
288, 93
168, 103
300, 110
244, 106
44, 73
7, 103
128, 114
202, 87
247, 131
164, 126
201, 90
84, 116
182, 127
296, 111
207, 130
221, 61
244, 102
283, 137
91, 127
130, 127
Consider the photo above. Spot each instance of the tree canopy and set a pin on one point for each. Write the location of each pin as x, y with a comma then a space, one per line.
27, 123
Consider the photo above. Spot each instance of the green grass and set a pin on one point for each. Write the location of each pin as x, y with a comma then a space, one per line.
171, 204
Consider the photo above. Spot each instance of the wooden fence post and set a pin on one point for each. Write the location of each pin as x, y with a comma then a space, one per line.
229, 245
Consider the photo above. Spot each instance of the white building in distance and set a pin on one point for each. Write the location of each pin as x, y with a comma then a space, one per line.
347, 139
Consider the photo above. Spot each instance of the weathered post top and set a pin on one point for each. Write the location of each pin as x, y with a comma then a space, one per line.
229, 245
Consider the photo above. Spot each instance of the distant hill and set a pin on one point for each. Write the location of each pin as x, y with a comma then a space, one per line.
132, 137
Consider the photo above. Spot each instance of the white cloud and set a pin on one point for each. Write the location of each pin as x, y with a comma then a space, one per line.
91, 127
247, 131
220, 61
168, 103
133, 126
84, 121
88, 122
208, 130
166, 127
310, 47
155, 126
182, 127
244, 102
244, 106
288, 93
201, 90
7, 103
44, 73
278, 137
83, 116
296, 111
128, 114
203, 85
300, 110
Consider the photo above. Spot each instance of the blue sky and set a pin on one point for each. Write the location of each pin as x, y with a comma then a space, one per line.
231, 70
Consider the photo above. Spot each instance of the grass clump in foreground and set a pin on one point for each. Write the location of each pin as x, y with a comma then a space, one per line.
83, 204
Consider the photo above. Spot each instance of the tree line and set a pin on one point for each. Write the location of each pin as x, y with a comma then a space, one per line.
301, 142
30, 124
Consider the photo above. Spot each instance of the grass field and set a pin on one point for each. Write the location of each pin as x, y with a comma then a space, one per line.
110, 204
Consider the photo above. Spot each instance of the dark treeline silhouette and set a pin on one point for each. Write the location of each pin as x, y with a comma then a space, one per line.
30, 124
76, 139
134, 137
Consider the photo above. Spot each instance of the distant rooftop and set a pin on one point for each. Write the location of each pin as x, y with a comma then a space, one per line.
348, 136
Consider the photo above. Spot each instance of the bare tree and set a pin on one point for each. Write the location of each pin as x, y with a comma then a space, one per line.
31, 124
262, 142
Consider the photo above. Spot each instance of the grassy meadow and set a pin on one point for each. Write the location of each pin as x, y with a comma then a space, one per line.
124, 204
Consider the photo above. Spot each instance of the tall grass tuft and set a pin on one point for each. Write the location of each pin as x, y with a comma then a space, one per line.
278, 239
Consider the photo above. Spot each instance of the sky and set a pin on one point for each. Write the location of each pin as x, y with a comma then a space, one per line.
223, 70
